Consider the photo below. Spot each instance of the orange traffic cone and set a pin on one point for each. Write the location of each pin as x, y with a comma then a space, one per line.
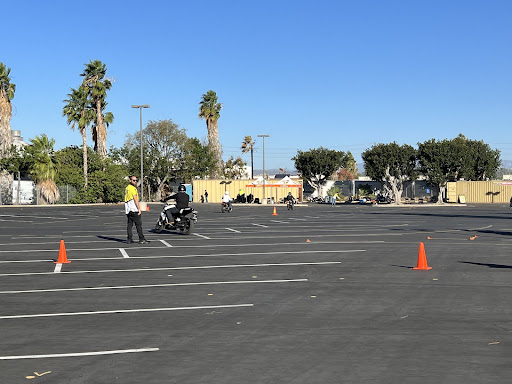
422, 259
147, 207
63, 259
429, 238
308, 241
275, 213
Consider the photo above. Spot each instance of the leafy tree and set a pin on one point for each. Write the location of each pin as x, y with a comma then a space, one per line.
198, 160
209, 109
16, 163
97, 84
316, 165
392, 164
163, 151
43, 168
79, 113
442, 161
234, 168
248, 146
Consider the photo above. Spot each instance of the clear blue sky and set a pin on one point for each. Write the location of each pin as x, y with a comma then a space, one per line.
339, 74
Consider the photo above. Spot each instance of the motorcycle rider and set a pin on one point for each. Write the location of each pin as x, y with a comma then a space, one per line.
227, 199
290, 198
182, 198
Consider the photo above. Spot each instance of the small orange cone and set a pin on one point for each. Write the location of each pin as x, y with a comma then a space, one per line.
275, 213
471, 238
422, 259
63, 259
429, 238
308, 241
147, 207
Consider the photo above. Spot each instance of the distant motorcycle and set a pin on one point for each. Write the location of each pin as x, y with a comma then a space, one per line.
289, 204
184, 221
225, 207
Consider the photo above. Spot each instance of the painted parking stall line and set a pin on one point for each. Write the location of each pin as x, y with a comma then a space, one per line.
166, 243
233, 230
203, 236
152, 286
124, 311
124, 253
78, 354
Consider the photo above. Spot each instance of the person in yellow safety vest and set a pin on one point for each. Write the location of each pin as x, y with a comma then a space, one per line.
133, 211
241, 196
334, 198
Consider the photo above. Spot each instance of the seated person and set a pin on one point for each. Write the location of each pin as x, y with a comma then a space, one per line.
226, 199
289, 197
182, 198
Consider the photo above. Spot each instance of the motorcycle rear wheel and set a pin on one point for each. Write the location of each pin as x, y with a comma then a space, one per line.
159, 227
189, 227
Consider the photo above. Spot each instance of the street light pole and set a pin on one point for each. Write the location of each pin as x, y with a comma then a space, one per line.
264, 180
141, 166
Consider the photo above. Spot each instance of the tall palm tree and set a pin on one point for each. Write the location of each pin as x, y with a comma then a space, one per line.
248, 145
79, 113
209, 109
44, 168
7, 90
97, 85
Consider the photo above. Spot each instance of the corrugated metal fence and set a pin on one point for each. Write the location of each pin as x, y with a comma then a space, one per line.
497, 191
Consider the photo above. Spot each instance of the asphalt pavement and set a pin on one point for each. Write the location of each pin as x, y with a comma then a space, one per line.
318, 294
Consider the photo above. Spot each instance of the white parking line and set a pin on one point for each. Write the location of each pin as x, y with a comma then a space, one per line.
174, 268
124, 311
80, 354
261, 225
152, 286
166, 243
204, 237
280, 222
186, 256
123, 252
233, 230
58, 268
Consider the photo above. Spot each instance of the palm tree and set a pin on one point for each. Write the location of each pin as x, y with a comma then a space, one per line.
209, 110
44, 168
7, 90
97, 85
248, 145
78, 113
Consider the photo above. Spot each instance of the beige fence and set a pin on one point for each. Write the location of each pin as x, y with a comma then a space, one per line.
498, 191
216, 189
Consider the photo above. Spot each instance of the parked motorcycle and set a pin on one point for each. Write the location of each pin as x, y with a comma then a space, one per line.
184, 221
225, 207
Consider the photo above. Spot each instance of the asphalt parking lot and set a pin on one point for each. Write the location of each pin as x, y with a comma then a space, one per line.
318, 295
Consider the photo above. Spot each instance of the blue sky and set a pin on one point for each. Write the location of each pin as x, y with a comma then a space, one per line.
338, 74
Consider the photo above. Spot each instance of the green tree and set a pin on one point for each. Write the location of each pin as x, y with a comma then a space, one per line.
43, 167
79, 113
198, 160
96, 82
392, 164
248, 146
163, 152
317, 165
209, 109
441, 161
234, 168
16, 163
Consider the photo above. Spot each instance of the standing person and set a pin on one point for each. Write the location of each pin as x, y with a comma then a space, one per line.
206, 195
334, 198
133, 212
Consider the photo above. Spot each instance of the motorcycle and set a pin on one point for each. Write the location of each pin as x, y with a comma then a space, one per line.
225, 207
184, 222
289, 204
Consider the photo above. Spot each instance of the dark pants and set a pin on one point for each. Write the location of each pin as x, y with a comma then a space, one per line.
134, 218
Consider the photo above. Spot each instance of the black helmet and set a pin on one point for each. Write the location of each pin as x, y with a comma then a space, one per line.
181, 188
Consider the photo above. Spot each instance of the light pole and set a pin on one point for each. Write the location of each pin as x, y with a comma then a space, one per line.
264, 180
141, 166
